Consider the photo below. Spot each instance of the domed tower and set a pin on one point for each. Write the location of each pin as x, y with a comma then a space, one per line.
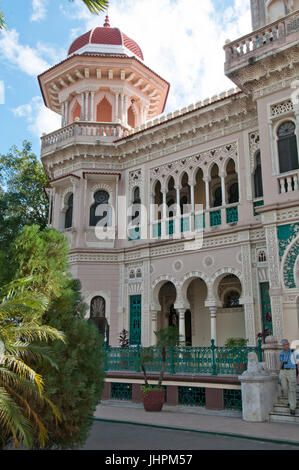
104, 80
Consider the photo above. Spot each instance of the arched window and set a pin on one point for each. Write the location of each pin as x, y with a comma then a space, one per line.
287, 147
184, 204
131, 117
258, 180
76, 112
69, 212
170, 205
104, 111
231, 299
136, 205
100, 198
217, 200
233, 193
136, 196
173, 319
98, 316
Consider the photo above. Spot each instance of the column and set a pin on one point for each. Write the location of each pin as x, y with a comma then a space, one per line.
92, 106
154, 317
66, 120
275, 280
122, 108
164, 215
247, 294
63, 115
213, 312
207, 183
126, 110
86, 106
116, 107
192, 198
223, 190
177, 232
182, 330
83, 106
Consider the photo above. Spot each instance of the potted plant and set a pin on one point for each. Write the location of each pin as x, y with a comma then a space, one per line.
153, 395
242, 353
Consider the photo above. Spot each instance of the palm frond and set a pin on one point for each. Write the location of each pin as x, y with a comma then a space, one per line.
13, 421
96, 6
31, 415
2, 21
33, 352
23, 370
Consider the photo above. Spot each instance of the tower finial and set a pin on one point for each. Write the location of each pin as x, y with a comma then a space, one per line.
107, 24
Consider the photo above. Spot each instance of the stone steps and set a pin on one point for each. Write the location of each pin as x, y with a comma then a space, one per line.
284, 418
281, 411
279, 408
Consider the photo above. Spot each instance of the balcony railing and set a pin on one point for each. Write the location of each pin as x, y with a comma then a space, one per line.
212, 360
86, 131
261, 40
289, 182
202, 221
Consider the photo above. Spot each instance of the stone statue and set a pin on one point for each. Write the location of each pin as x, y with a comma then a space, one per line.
255, 368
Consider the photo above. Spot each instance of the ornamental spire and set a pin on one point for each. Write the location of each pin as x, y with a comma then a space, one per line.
107, 24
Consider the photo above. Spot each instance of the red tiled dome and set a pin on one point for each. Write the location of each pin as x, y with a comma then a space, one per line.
105, 36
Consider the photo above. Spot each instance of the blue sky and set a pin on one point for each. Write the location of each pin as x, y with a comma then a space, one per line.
181, 40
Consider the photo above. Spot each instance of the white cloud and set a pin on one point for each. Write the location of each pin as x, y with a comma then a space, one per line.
39, 10
29, 60
39, 118
181, 40
24, 57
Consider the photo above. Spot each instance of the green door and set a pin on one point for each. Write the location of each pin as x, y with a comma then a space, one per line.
135, 320
266, 308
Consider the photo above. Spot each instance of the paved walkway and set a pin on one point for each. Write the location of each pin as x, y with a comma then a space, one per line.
200, 420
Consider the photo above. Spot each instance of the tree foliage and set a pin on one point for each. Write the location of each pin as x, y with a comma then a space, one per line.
76, 385
94, 6
22, 197
22, 348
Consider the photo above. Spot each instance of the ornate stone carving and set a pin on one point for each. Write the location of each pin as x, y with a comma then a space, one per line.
218, 155
135, 179
281, 108
255, 368
254, 146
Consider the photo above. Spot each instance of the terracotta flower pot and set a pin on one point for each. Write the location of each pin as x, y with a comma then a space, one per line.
153, 400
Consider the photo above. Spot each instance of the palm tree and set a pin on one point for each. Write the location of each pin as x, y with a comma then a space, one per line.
94, 6
22, 342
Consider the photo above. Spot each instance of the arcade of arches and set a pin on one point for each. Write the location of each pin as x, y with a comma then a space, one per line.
195, 320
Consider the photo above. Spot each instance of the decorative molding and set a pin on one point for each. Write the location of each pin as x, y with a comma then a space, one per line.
281, 108
190, 165
254, 146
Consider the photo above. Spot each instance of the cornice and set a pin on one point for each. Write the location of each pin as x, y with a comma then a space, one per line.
235, 114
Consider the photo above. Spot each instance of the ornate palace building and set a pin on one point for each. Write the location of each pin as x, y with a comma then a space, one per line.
209, 192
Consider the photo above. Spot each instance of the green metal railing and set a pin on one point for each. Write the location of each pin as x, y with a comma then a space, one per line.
199, 221
232, 215
170, 227
185, 224
215, 218
212, 360
157, 230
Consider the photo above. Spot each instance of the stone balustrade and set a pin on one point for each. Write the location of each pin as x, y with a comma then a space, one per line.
91, 131
259, 41
288, 182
